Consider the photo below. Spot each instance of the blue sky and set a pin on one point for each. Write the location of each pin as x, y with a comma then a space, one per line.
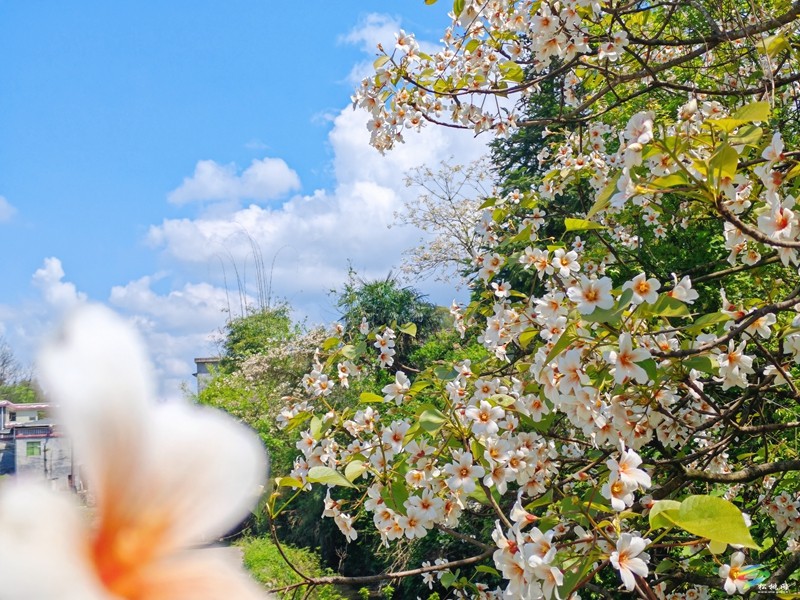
143, 144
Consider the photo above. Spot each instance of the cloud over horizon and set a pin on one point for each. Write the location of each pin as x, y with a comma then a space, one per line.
239, 220
310, 240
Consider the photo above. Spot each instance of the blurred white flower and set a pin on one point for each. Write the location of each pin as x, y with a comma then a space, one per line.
165, 477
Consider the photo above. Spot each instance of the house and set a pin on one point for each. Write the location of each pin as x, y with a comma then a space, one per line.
206, 368
32, 445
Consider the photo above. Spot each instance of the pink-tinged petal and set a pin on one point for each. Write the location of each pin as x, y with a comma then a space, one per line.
44, 547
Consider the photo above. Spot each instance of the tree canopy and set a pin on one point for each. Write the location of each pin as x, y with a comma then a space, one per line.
633, 429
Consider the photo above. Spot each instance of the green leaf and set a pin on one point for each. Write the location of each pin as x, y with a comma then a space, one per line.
445, 373
418, 386
667, 565
511, 71
713, 518
316, 427
792, 173
603, 198
409, 329
707, 320
661, 514
563, 342
370, 398
441, 86
429, 2
650, 367
297, 421
479, 495
702, 363
488, 203
755, 111
471, 45
527, 336
288, 482
668, 181
353, 352
581, 225
723, 163
544, 500
503, 400
327, 476
775, 44
716, 547
458, 7
431, 419
380, 61
330, 343
574, 575
447, 579
611, 315
354, 469
395, 495
487, 569
542, 425
749, 135
665, 306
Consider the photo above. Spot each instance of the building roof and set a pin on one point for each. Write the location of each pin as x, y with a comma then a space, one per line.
24, 406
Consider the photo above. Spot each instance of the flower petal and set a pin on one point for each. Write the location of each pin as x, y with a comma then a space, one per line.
205, 470
44, 550
97, 374
164, 475
195, 576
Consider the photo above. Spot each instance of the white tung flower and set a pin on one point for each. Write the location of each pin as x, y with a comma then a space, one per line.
592, 293
625, 360
166, 477
629, 559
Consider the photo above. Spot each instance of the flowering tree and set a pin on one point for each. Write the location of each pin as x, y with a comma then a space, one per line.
446, 209
633, 429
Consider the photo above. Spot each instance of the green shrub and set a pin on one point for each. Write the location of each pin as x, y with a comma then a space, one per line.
265, 564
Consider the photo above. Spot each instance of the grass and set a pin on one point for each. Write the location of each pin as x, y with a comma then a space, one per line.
266, 565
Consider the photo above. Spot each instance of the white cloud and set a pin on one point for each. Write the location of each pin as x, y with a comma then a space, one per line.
26, 324
372, 30
312, 238
196, 306
6, 210
57, 293
305, 243
376, 29
265, 179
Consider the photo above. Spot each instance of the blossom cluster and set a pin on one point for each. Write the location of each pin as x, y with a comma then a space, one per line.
620, 364
607, 376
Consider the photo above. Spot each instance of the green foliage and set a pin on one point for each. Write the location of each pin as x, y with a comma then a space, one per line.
253, 333
23, 392
264, 358
387, 302
267, 566
705, 516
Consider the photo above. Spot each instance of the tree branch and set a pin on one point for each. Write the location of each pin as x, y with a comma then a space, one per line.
745, 475
369, 579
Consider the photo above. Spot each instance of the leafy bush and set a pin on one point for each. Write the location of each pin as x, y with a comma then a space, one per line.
265, 563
